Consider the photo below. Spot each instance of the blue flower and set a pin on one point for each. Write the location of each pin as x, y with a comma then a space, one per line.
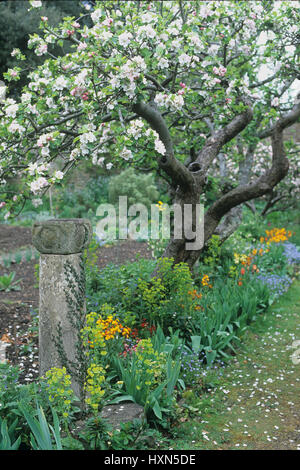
291, 252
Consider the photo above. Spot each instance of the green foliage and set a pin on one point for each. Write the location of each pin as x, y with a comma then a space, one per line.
116, 285
7, 282
148, 378
162, 299
227, 310
211, 257
95, 433
44, 436
139, 188
128, 436
7, 436
73, 202
95, 377
59, 391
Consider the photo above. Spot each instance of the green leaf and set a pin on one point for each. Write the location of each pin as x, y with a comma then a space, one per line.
122, 398
196, 343
156, 409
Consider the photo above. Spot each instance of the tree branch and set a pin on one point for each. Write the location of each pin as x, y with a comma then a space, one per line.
221, 137
268, 180
178, 173
285, 121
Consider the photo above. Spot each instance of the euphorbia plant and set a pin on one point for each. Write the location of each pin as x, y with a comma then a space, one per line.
171, 86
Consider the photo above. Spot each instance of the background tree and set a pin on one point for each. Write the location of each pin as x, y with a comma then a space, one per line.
172, 86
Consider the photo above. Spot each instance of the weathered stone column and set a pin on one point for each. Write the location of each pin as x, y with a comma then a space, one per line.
61, 243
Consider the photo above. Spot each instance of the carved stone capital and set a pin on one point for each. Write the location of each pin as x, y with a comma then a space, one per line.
61, 236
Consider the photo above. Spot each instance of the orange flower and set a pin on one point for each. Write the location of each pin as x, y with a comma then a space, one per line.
254, 267
194, 294
240, 283
243, 271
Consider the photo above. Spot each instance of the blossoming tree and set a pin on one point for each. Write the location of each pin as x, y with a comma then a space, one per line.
171, 86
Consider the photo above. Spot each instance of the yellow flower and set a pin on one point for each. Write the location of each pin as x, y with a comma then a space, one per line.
205, 280
160, 205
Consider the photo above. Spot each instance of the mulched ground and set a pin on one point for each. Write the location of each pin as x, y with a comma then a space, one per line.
18, 308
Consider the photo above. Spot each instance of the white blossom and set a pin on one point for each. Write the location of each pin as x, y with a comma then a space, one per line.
163, 63
139, 62
161, 99
87, 137
60, 83
136, 128
126, 154
81, 77
58, 175
41, 49
11, 110
149, 17
37, 202
38, 184
146, 32
125, 38
96, 15
35, 3
184, 59
159, 147
177, 102
74, 153
16, 127
26, 97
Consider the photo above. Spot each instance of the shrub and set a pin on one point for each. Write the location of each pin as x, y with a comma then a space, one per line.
138, 188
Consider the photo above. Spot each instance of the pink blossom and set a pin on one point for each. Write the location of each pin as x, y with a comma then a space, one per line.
81, 46
220, 71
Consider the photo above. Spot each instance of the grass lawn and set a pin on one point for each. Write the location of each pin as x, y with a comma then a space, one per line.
252, 403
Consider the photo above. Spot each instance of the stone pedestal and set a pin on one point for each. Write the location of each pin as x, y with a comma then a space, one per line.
61, 243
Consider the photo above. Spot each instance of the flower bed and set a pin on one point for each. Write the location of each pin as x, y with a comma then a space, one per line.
149, 340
